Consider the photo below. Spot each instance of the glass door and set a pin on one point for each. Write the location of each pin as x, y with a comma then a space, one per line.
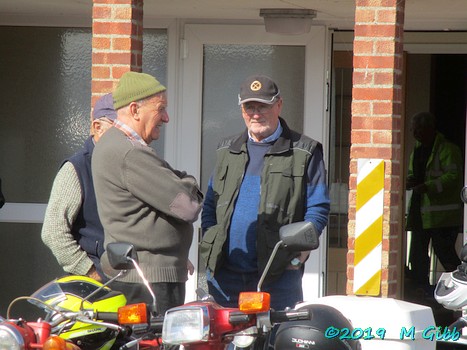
216, 59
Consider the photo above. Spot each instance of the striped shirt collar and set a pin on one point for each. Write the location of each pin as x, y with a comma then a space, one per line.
132, 135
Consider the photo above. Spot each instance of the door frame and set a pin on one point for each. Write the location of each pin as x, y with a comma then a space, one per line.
188, 126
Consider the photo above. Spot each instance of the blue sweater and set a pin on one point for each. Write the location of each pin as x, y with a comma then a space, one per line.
242, 238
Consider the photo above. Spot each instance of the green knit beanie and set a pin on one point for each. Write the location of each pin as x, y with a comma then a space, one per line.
134, 86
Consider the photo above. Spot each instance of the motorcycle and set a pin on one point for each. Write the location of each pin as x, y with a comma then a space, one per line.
205, 325
451, 290
81, 313
84, 314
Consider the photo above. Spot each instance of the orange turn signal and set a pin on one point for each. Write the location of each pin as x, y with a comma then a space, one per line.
254, 302
133, 314
56, 343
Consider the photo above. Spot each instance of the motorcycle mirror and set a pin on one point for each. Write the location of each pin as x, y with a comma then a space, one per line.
464, 194
121, 255
299, 236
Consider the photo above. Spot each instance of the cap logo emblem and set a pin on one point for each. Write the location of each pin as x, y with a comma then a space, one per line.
255, 86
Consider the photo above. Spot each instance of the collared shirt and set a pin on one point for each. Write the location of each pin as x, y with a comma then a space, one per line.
270, 138
133, 135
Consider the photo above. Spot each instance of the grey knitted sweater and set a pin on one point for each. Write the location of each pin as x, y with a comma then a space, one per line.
64, 205
143, 201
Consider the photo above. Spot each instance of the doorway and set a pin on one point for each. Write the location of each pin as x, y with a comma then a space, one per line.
435, 80
216, 59
436, 83
445, 79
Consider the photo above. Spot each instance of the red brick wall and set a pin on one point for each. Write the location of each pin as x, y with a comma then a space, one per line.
117, 42
377, 124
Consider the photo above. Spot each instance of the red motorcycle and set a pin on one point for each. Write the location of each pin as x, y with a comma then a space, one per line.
70, 330
204, 325
78, 322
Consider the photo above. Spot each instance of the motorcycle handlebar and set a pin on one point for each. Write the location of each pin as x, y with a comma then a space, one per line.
460, 323
106, 319
150, 329
107, 316
156, 323
274, 316
238, 317
289, 315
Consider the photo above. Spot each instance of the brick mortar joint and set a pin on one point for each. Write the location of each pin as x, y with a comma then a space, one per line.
117, 36
115, 20
376, 70
381, 39
376, 7
116, 5
116, 51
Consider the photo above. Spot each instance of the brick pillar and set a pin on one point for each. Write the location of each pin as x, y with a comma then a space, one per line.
117, 42
377, 125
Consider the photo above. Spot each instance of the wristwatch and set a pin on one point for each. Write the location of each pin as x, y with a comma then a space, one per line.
295, 262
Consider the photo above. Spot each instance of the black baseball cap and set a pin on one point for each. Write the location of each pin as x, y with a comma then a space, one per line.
259, 88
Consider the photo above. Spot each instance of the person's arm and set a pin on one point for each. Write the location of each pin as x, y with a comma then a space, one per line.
154, 182
208, 215
410, 181
63, 208
318, 203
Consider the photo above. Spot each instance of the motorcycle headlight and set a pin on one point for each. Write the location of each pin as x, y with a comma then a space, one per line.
246, 338
10, 338
186, 325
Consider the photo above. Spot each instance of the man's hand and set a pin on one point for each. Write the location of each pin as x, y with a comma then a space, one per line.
92, 273
190, 267
302, 259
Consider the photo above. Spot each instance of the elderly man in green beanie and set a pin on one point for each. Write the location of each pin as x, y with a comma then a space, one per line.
141, 199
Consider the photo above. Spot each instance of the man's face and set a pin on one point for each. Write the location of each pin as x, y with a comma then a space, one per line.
261, 119
423, 134
152, 115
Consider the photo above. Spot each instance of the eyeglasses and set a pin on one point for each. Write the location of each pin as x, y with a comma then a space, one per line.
261, 109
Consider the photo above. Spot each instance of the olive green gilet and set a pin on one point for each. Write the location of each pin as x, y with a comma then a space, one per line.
283, 196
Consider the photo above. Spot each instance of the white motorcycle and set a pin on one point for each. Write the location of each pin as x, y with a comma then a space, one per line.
451, 290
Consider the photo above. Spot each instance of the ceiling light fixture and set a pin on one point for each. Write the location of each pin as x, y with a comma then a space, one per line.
287, 21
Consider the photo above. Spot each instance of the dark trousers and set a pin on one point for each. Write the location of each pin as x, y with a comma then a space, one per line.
443, 241
168, 295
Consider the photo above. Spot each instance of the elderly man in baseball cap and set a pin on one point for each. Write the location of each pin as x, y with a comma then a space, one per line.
141, 199
266, 177
72, 228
